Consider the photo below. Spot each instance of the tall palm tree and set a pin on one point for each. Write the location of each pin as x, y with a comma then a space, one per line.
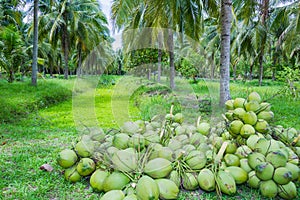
35, 44
226, 19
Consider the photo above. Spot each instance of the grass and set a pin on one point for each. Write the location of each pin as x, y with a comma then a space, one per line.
34, 137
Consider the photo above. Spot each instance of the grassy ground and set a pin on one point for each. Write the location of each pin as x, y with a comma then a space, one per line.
35, 128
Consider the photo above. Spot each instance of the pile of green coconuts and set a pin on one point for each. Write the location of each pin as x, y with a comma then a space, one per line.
158, 158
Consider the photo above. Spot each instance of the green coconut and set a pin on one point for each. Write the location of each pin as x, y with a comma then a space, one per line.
130, 128
180, 130
167, 189
184, 139
167, 153
253, 180
262, 146
217, 142
131, 197
125, 160
175, 177
243, 151
178, 118
204, 128
244, 165
232, 160
67, 158
115, 181
203, 147
196, 160
210, 155
288, 191
72, 175
113, 194
264, 106
120, 141
235, 127
169, 117
98, 135
155, 124
154, 149
240, 140
175, 144
97, 179
262, 126
85, 148
250, 118
255, 158
158, 168
254, 96
229, 115
137, 141
264, 171
226, 182
147, 188
266, 115
190, 129
240, 176
247, 130
252, 140
268, 189
151, 137
189, 181
110, 151
294, 169
229, 105
277, 158
197, 139
206, 180
188, 148
239, 102
282, 175
239, 113
252, 106
86, 166
231, 147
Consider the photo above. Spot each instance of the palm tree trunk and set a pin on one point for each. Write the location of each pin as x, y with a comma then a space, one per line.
265, 13
171, 55
159, 56
65, 46
212, 70
251, 71
35, 43
11, 76
226, 19
234, 72
79, 60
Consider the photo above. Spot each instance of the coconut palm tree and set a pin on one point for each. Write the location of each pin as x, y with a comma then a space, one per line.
183, 16
64, 18
226, 19
35, 44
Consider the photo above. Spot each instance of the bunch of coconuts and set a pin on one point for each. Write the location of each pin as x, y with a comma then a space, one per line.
142, 160
249, 116
154, 160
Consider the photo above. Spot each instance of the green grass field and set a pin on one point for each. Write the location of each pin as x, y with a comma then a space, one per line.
37, 123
